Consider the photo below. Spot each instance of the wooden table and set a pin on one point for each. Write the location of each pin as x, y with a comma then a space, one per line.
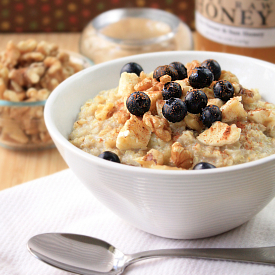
20, 166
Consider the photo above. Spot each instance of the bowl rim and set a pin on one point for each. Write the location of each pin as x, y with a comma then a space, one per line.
134, 169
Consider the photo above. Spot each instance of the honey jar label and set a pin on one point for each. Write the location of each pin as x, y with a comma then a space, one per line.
247, 23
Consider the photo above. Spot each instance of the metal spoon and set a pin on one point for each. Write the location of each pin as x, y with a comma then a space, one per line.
90, 256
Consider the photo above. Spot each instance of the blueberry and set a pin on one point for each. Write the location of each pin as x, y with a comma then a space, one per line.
195, 101
138, 103
163, 70
213, 66
200, 77
171, 89
203, 165
180, 68
132, 67
174, 110
210, 114
108, 155
223, 89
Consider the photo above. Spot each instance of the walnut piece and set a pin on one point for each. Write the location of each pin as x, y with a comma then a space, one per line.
145, 84
152, 158
180, 156
158, 125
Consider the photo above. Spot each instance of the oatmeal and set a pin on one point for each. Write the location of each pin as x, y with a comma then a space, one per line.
177, 117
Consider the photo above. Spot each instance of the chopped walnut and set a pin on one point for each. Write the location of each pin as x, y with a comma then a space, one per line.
154, 97
38, 95
249, 96
63, 57
164, 79
14, 96
34, 72
237, 87
15, 87
18, 76
13, 131
30, 57
145, 84
185, 86
55, 67
48, 49
9, 58
4, 73
158, 125
152, 158
27, 45
180, 156
157, 86
159, 105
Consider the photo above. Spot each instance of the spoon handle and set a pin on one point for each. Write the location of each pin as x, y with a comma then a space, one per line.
262, 255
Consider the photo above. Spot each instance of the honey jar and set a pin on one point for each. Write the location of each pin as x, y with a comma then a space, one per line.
244, 27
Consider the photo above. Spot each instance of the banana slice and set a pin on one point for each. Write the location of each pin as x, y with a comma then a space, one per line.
215, 101
262, 116
127, 82
220, 134
233, 110
135, 134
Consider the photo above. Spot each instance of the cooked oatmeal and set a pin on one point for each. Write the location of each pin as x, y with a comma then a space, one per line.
245, 131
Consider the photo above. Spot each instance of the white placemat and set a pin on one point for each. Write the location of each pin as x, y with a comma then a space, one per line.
60, 203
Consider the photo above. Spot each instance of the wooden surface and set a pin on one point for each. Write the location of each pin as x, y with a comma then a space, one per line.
20, 166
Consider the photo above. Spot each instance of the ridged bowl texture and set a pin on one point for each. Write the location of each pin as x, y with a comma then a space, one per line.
173, 204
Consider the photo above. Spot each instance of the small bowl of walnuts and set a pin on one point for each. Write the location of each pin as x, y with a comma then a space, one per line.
29, 72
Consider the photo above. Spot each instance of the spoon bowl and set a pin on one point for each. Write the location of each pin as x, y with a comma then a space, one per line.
77, 253
91, 256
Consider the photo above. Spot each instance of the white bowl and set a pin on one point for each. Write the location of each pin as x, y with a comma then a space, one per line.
174, 204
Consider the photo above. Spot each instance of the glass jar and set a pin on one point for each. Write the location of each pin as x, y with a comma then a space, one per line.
129, 31
244, 27
22, 125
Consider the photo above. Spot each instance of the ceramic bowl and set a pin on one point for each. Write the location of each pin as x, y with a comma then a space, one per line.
173, 204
